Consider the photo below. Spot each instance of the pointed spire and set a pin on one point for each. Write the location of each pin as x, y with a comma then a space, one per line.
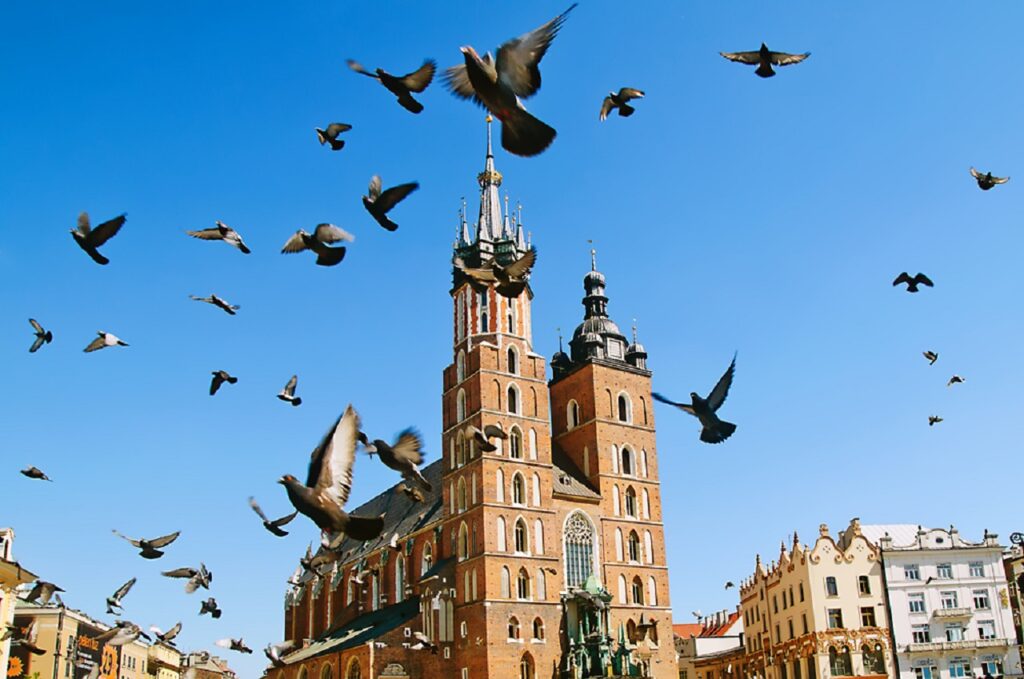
520, 239
506, 227
488, 228
634, 331
464, 238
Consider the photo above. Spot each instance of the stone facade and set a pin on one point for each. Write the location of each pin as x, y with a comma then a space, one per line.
12, 575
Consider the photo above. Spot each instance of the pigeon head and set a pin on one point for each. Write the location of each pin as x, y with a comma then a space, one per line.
694, 395
287, 480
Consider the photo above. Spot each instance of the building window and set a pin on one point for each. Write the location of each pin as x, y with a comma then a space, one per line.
535, 498
835, 618
911, 572
618, 544
399, 578
513, 399
986, 629
867, 616
803, 621
948, 599
981, 601
500, 533
840, 662
921, 634
460, 450
631, 502
513, 628
541, 590
518, 489
353, 670
461, 495
976, 569
633, 544
499, 485
944, 571
427, 560
831, 588
775, 604
505, 586
811, 670
538, 536
638, 591
992, 668
801, 591
579, 549
484, 319
778, 635
521, 537
916, 602
926, 673
463, 544
959, 669
790, 625
460, 366
796, 668
648, 547
526, 667
615, 501
463, 633
954, 631
622, 589
538, 629
624, 408
523, 584
515, 441
652, 599
627, 461
572, 415
874, 659
513, 360
460, 405
374, 591
863, 584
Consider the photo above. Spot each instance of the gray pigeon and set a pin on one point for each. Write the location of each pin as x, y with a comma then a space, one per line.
288, 393
233, 645
89, 239
29, 642
275, 525
329, 483
124, 632
196, 577
764, 58
411, 492
168, 636
483, 438
912, 283
987, 181
210, 606
509, 280
222, 232
318, 242
422, 643
404, 456
330, 135
114, 600
41, 592
42, 336
275, 651
620, 101
714, 430
216, 301
219, 378
378, 203
150, 549
498, 84
35, 473
931, 356
104, 340
955, 379
402, 86
933, 420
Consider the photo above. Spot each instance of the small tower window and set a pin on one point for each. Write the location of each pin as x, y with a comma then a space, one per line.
513, 628
518, 490
515, 443
572, 415
463, 544
631, 502
638, 591
485, 325
510, 317
513, 360
461, 490
624, 414
634, 546
538, 629
460, 366
460, 405
627, 462
523, 584
513, 399
522, 539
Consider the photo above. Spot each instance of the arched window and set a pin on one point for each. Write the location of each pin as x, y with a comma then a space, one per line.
643, 408
839, 661
463, 544
513, 359
460, 449
374, 591
513, 399
427, 559
350, 589
473, 584
497, 394
526, 667
521, 536
622, 589
638, 591
513, 627
627, 462
615, 501
448, 632
523, 584
399, 579
460, 366
460, 492
460, 317
472, 486
538, 536
648, 547
535, 499
463, 629
465, 587
505, 586
633, 543
630, 502
874, 659
572, 415
500, 531
460, 405
611, 408
451, 453
533, 444
499, 486
326, 672
631, 631
652, 591
353, 670
615, 459
451, 497
578, 535
542, 585
518, 489
643, 463
485, 324
618, 544
538, 629
427, 611
645, 506
625, 408
533, 401
515, 443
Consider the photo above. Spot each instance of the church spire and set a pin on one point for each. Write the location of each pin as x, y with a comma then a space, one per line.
489, 225
464, 238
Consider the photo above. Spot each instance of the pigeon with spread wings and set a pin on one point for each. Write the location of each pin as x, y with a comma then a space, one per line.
288, 393
986, 181
42, 336
114, 600
620, 100
150, 549
210, 606
483, 438
405, 455
89, 239
35, 473
222, 232
275, 651
168, 636
41, 592
764, 58
498, 84
912, 283
509, 280
378, 202
330, 135
219, 378
275, 525
216, 301
104, 340
318, 242
233, 645
402, 86
714, 430
329, 483
196, 577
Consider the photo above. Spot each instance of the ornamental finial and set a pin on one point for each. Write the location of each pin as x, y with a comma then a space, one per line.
559, 338
634, 331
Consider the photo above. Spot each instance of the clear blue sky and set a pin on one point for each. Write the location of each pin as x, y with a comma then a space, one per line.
730, 213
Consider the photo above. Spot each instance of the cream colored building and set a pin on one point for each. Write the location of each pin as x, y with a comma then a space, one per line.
1013, 562
164, 661
817, 612
11, 576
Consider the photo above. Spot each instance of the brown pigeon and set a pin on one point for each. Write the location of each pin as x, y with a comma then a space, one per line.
619, 100
404, 456
150, 549
764, 58
378, 203
402, 86
89, 239
509, 280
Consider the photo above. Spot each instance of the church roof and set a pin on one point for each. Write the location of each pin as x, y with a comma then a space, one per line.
367, 627
569, 480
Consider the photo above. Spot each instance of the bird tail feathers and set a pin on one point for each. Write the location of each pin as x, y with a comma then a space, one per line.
625, 110
296, 401
525, 135
720, 432
765, 71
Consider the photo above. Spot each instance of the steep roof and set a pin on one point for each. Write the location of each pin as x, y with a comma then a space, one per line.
569, 480
366, 627
685, 630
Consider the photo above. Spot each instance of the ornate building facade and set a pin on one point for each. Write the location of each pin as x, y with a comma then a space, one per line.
544, 558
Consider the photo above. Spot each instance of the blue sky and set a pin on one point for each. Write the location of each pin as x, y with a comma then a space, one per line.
730, 214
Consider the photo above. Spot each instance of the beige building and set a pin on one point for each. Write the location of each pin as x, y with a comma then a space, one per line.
1014, 565
206, 666
711, 649
164, 661
817, 612
11, 576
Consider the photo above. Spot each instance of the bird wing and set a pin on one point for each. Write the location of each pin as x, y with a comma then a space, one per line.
784, 59
902, 278
456, 79
1000, 180
173, 632
179, 573
334, 129
606, 107
921, 278
124, 589
627, 93
519, 59
481, 275
743, 57
285, 520
165, 540
207, 234
330, 467
359, 68
682, 406
289, 388
135, 543
418, 80
35, 325
83, 224
522, 266
256, 508
105, 231
223, 643
375, 187
717, 396
976, 174
393, 196
97, 343
494, 431
408, 447
329, 233
295, 243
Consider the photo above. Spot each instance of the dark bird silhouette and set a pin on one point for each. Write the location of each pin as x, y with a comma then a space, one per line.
987, 181
764, 58
411, 492
150, 549
620, 101
210, 606
714, 430
729, 584
329, 483
378, 203
402, 86
41, 592
35, 473
222, 232
317, 242
499, 84
932, 420
955, 379
275, 525
912, 283
219, 378
89, 239
288, 393
404, 455
168, 636
216, 301
483, 438
233, 645
29, 642
104, 340
114, 600
195, 577
275, 651
509, 280
422, 643
42, 336
931, 356
330, 135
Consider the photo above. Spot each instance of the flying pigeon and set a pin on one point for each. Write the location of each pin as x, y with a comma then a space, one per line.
317, 242
329, 483
233, 645
41, 592
219, 378
620, 101
216, 301
955, 379
222, 232
29, 641
168, 636
210, 606
498, 84
104, 340
509, 280
933, 419
90, 239
114, 600
987, 181
122, 633
404, 456
697, 614
483, 438
402, 86
197, 577
714, 430
931, 356
764, 58
378, 204
912, 283
412, 492
275, 651
423, 643
275, 525
42, 336
35, 473
288, 393
729, 584
150, 549
330, 135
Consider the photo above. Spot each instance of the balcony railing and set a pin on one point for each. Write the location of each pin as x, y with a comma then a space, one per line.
966, 644
952, 612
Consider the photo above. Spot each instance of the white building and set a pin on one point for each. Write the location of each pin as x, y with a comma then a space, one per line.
948, 603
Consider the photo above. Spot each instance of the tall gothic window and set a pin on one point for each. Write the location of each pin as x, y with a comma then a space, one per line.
461, 501
579, 549
631, 502
521, 535
627, 462
460, 406
523, 584
463, 544
572, 414
427, 560
460, 366
484, 319
513, 399
638, 591
623, 408
634, 546
513, 360
515, 443
399, 579
518, 489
